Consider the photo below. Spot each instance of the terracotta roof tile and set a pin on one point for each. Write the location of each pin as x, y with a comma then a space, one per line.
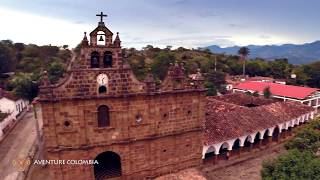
230, 119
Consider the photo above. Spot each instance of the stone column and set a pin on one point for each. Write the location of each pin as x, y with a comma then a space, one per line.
251, 145
228, 154
240, 149
215, 159
278, 136
260, 142
284, 134
269, 140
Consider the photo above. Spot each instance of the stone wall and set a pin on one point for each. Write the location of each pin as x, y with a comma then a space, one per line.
139, 159
168, 138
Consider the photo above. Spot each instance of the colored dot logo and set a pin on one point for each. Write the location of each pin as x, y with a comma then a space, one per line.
21, 164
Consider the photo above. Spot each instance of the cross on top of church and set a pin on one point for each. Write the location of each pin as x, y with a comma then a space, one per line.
101, 16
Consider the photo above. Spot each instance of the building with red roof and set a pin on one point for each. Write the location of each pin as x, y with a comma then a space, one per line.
305, 95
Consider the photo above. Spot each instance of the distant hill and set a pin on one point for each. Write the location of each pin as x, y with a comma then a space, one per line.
296, 54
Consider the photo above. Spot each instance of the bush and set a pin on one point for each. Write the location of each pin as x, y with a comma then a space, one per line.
300, 162
293, 165
306, 139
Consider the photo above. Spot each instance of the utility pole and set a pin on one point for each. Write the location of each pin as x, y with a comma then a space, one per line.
215, 63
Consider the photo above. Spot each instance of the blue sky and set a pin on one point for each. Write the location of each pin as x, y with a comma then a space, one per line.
188, 23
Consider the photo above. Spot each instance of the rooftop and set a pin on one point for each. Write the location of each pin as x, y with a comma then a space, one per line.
227, 118
290, 91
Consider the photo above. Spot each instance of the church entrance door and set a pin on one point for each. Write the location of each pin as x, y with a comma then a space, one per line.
109, 166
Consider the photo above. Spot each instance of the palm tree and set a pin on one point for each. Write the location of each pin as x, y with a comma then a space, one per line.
244, 52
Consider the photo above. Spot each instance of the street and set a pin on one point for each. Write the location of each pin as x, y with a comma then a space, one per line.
17, 144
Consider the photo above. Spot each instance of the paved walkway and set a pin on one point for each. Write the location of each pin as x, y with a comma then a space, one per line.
17, 144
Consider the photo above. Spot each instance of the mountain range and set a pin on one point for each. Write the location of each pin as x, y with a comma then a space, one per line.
295, 53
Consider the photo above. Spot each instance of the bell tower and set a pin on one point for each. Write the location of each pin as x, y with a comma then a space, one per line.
101, 35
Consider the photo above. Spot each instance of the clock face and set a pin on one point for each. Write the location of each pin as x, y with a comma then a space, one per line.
102, 79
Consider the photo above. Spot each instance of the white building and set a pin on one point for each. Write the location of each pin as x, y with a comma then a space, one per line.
9, 103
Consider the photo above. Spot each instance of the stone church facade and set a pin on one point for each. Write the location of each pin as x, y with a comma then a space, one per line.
134, 129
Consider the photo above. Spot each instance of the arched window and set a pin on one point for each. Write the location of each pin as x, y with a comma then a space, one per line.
95, 59
103, 116
107, 59
102, 89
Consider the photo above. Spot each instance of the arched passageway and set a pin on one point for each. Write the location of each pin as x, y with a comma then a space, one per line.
265, 137
247, 144
210, 153
109, 166
256, 140
275, 134
223, 151
236, 147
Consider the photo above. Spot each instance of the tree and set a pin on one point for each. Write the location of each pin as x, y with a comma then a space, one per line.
211, 89
217, 78
168, 48
293, 165
55, 71
161, 64
267, 92
148, 48
244, 52
253, 68
65, 46
313, 72
280, 68
306, 139
6, 58
138, 66
26, 85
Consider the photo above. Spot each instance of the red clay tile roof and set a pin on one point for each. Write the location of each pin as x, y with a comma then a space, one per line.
278, 89
226, 120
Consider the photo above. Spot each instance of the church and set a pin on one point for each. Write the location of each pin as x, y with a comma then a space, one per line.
134, 129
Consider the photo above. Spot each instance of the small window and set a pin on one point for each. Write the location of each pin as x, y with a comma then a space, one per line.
165, 116
138, 118
102, 89
66, 123
103, 116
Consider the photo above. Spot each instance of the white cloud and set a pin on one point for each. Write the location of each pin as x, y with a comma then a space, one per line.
29, 28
